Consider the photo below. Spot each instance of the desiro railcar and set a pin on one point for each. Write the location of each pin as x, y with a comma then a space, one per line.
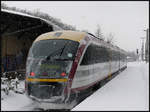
62, 64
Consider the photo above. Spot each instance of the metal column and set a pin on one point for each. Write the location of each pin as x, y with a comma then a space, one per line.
0, 55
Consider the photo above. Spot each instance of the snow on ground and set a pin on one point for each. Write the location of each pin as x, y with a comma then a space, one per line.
14, 101
127, 91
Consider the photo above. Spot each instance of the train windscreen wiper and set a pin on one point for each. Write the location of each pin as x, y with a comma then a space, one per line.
55, 52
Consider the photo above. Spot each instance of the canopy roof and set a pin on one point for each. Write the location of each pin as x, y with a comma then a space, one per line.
16, 23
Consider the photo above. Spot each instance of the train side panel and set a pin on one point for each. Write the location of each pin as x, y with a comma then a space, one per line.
89, 73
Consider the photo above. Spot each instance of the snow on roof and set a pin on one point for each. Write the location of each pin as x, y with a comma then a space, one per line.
115, 47
54, 26
30, 16
18, 13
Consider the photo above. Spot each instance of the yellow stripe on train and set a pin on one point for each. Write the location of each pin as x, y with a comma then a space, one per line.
46, 80
70, 35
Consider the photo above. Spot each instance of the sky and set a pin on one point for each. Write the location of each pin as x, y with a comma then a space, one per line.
126, 20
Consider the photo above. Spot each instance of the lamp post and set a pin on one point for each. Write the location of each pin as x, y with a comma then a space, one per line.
147, 45
142, 49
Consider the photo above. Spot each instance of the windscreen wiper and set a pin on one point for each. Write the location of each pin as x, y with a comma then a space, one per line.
55, 52
63, 49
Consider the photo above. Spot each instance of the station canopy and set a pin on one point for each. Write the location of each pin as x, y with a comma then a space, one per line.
20, 25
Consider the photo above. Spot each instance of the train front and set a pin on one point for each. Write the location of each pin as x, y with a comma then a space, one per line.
48, 65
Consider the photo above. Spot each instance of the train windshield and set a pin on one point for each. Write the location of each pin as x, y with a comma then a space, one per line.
51, 58
54, 49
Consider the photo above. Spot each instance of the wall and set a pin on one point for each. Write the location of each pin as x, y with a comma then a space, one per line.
10, 47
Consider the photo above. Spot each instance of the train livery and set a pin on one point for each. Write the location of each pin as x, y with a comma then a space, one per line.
62, 64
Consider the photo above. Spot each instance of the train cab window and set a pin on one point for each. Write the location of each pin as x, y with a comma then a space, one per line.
57, 48
51, 58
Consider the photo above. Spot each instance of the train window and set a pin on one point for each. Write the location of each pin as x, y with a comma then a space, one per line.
103, 54
57, 48
95, 54
115, 55
87, 56
122, 57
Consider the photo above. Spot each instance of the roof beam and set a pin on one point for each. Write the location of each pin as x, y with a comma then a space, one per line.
5, 29
22, 30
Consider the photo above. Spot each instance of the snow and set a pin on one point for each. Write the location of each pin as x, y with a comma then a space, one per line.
18, 13
127, 91
14, 101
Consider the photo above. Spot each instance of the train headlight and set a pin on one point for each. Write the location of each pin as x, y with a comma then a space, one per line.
63, 74
32, 74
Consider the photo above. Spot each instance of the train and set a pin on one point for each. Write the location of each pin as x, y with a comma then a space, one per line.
62, 64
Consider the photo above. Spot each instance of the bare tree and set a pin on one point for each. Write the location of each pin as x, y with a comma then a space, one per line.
37, 12
3, 5
98, 32
110, 38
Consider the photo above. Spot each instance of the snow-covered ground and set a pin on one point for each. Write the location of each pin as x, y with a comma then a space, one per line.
127, 91
14, 101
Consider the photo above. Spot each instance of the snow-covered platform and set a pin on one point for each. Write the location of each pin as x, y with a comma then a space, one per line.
127, 91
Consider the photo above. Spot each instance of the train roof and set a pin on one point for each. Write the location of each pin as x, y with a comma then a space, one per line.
114, 47
65, 34
73, 35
